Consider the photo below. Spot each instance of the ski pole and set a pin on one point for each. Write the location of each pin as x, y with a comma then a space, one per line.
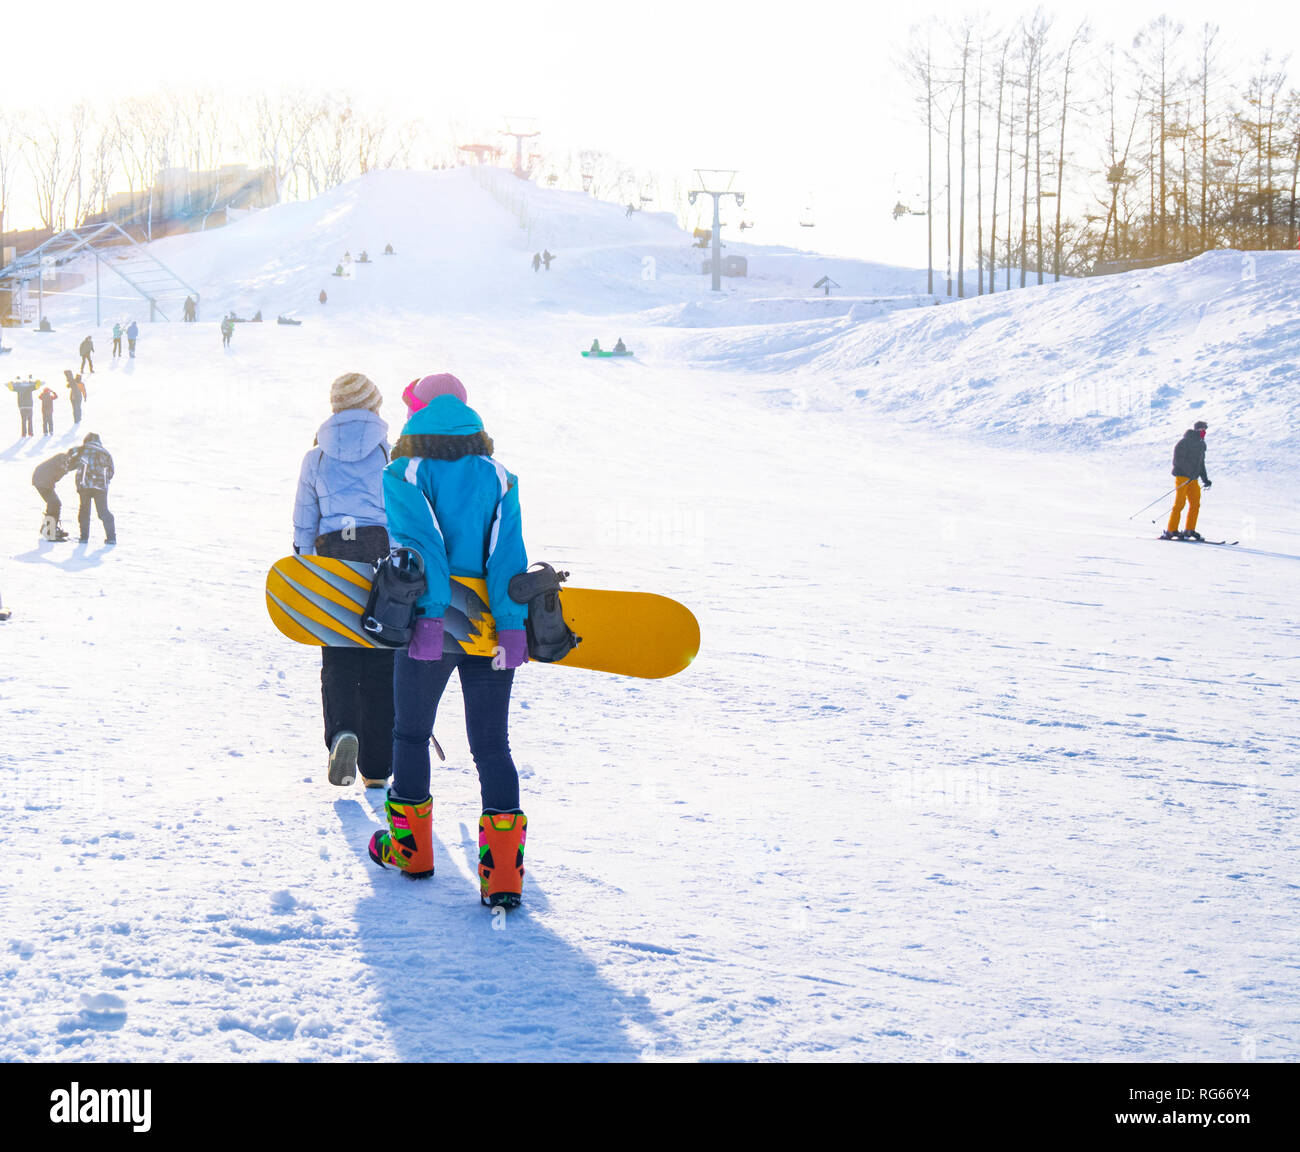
1159, 498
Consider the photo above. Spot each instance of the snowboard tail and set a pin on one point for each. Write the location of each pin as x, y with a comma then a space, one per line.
320, 601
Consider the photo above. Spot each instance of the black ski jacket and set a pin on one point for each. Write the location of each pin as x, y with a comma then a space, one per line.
50, 472
1189, 455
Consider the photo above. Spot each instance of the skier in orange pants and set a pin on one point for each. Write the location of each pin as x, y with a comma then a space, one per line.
1189, 465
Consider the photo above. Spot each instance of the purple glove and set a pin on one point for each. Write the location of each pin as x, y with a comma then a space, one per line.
426, 640
512, 648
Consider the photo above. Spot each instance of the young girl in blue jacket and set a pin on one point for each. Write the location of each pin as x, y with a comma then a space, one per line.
450, 501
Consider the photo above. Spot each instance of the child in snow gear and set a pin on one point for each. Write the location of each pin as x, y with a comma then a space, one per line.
76, 393
47, 396
44, 478
227, 330
117, 340
87, 350
339, 512
450, 501
94, 473
1189, 464
132, 332
24, 390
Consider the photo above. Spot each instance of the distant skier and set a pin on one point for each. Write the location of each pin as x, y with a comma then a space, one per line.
339, 512
132, 331
25, 390
537, 261
1189, 464
87, 351
47, 396
117, 340
94, 474
227, 331
46, 476
76, 393
547, 257
450, 501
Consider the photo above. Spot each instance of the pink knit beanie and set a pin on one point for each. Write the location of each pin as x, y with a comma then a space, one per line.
419, 392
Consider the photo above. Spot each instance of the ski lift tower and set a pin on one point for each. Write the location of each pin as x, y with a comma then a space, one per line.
513, 128
722, 178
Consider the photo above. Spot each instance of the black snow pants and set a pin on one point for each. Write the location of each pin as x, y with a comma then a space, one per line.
356, 684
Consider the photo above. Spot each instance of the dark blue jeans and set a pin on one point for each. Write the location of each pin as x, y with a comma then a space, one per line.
417, 687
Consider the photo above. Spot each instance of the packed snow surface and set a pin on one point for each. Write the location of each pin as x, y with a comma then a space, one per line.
969, 766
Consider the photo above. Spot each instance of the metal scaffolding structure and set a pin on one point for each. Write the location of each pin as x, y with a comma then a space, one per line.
111, 247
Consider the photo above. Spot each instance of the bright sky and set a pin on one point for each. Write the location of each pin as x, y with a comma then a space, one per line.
806, 101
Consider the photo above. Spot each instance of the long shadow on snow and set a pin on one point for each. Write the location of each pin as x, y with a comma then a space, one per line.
456, 982
72, 556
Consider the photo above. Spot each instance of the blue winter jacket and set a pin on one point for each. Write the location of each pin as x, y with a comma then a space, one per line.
341, 482
457, 507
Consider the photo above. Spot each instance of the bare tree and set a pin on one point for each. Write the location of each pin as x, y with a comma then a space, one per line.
11, 147
997, 165
1080, 37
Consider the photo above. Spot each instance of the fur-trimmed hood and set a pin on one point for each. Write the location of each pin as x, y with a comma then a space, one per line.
444, 429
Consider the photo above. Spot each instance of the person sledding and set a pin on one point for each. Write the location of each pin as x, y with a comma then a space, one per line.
451, 502
1189, 467
620, 349
595, 348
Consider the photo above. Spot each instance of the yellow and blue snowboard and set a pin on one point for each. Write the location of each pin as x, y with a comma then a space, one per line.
319, 600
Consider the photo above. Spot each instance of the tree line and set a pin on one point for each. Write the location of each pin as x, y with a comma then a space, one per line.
1048, 154
64, 166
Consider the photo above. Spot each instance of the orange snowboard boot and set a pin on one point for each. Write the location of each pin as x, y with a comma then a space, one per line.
408, 843
501, 838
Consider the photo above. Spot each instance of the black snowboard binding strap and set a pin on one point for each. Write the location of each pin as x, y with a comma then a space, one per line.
398, 582
549, 637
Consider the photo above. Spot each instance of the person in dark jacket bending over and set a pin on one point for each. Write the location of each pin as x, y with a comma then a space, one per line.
47, 475
339, 512
448, 499
1189, 465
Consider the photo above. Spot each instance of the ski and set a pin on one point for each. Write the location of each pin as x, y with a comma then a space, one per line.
1179, 540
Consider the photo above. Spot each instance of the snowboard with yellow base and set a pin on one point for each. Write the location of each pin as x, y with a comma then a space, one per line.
319, 600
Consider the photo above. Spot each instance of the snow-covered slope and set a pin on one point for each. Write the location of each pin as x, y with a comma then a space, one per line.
969, 766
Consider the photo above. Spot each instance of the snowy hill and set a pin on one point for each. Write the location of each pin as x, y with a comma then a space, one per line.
969, 767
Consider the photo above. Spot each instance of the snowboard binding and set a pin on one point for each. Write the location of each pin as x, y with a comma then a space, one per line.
50, 530
389, 618
549, 637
